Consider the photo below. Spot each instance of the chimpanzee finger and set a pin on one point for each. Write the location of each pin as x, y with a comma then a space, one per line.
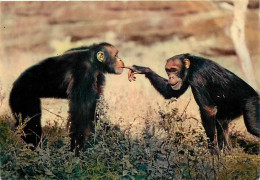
129, 75
132, 76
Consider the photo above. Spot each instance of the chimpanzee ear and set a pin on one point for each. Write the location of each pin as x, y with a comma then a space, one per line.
100, 56
187, 63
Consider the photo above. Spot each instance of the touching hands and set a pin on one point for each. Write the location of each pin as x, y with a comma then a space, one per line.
136, 70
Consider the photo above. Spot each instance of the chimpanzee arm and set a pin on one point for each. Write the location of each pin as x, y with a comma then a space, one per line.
101, 81
82, 102
159, 83
208, 110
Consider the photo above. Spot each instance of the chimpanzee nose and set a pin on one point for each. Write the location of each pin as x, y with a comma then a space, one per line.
171, 76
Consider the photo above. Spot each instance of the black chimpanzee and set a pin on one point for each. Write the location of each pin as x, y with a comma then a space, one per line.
220, 94
77, 75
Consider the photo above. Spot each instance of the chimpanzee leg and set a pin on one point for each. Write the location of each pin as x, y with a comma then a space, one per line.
222, 134
251, 114
28, 108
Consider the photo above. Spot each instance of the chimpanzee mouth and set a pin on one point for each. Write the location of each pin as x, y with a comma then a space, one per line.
119, 70
176, 86
121, 66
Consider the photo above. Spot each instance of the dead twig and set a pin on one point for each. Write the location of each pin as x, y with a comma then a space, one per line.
54, 114
184, 111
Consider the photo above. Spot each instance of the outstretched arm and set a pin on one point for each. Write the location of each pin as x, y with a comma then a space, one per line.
159, 83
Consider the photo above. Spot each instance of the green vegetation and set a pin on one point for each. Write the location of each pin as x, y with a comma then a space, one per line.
181, 153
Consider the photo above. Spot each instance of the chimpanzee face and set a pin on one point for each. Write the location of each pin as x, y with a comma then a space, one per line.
175, 69
111, 61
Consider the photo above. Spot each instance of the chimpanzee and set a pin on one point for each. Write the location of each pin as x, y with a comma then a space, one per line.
77, 75
220, 94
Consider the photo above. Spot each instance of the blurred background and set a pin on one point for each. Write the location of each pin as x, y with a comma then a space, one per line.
146, 34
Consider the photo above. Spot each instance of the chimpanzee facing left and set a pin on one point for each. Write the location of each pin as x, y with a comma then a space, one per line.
77, 75
220, 94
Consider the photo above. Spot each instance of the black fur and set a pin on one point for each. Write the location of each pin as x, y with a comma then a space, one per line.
213, 86
76, 75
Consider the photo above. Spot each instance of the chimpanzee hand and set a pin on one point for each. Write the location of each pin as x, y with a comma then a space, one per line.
137, 70
140, 69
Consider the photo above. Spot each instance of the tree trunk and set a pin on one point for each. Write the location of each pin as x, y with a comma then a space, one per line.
238, 38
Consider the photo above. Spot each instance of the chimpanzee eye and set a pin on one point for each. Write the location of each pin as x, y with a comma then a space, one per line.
174, 70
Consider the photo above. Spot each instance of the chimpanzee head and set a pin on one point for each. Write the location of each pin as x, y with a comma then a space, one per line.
107, 55
177, 69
